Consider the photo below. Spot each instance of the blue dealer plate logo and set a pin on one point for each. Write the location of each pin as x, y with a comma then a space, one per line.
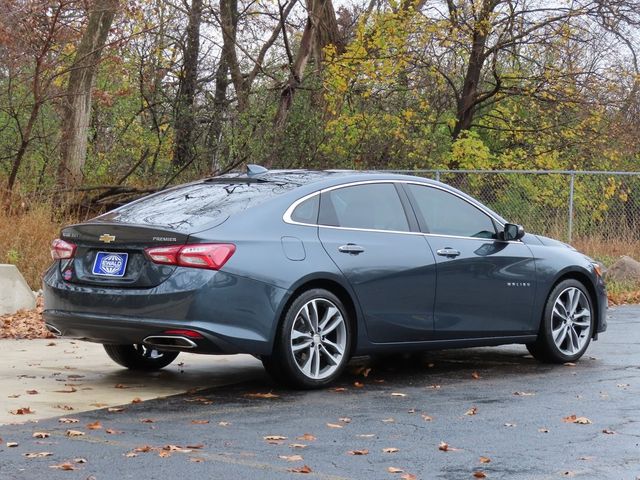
110, 264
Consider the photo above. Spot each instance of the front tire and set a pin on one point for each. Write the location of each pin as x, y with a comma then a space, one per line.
567, 324
313, 343
140, 357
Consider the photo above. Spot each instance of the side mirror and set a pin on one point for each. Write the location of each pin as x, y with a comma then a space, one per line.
512, 232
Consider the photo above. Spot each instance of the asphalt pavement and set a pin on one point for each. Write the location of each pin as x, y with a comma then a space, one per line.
458, 414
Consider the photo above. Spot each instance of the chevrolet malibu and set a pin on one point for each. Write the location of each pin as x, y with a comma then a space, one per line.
305, 269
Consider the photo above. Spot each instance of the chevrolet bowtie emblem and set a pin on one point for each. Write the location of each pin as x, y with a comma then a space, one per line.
106, 238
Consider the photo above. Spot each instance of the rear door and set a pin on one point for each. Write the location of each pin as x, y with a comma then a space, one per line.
485, 286
365, 230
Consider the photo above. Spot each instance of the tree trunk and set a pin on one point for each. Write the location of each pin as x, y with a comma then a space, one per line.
77, 104
185, 117
320, 30
469, 96
219, 108
229, 25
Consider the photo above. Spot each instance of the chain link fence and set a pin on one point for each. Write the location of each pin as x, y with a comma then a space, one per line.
562, 204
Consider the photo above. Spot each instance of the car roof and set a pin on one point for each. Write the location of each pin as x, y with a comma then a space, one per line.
309, 181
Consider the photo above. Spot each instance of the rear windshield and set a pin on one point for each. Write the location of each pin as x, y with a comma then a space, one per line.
191, 208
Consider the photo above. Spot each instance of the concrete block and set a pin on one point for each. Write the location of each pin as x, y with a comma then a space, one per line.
15, 294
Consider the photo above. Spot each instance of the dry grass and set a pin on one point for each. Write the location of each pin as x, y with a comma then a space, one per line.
25, 238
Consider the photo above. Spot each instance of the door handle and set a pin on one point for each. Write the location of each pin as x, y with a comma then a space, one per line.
351, 248
448, 252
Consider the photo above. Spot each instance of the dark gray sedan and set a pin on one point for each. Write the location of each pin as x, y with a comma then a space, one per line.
305, 269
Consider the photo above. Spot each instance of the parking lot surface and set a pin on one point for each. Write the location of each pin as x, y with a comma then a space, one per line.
477, 413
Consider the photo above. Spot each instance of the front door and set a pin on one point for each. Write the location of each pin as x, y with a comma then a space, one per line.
485, 286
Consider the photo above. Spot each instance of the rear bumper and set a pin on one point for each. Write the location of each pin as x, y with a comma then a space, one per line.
233, 314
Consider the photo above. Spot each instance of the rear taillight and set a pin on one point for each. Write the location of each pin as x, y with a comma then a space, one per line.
202, 255
61, 250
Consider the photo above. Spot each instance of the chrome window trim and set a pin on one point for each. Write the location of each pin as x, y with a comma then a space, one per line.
286, 217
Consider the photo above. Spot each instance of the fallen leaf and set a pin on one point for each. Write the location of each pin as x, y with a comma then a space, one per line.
608, 432
358, 452
485, 460
307, 437
578, 420
136, 400
445, 447
121, 385
199, 422
471, 411
68, 420
63, 466
358, 384
388, 420
427, 418
303, 469
510, 425
569, 364
64, 407
435, 387
475, 375
366, 435
40, 435
543, 430
143, 449
224, 424
297, 445
37, 454
22, 411
111, 431
177, 448
333, 425
68, 389
97, 405
479, 474
115, 409
196, 446
408, 476
32, 392
345, 419
339, 389
147, 420
94, 426
274, 437
524, 394
80, 460
74, 433
398, 394
262, 395
12, 444
623, 385
130, 454
291, 458
196, 459
394, 470
164, 454
390, 450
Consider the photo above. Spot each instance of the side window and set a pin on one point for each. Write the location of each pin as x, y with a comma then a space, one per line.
446, 214
372, 206
307, 211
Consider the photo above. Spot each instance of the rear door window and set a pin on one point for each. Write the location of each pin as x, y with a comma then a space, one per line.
374, 206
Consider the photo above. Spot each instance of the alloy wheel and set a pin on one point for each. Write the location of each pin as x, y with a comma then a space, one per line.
571, 321
318, 338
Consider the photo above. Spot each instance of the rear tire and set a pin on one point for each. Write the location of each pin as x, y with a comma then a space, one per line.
139, 357
313, 342
567, 324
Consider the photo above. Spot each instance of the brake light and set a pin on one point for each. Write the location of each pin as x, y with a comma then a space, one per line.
184, 333
211, 256
61, 250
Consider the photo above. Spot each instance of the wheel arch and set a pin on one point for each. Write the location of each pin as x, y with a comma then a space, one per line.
333, 285
584, 278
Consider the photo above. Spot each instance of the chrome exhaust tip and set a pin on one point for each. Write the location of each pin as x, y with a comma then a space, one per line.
169, 341
53, 329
